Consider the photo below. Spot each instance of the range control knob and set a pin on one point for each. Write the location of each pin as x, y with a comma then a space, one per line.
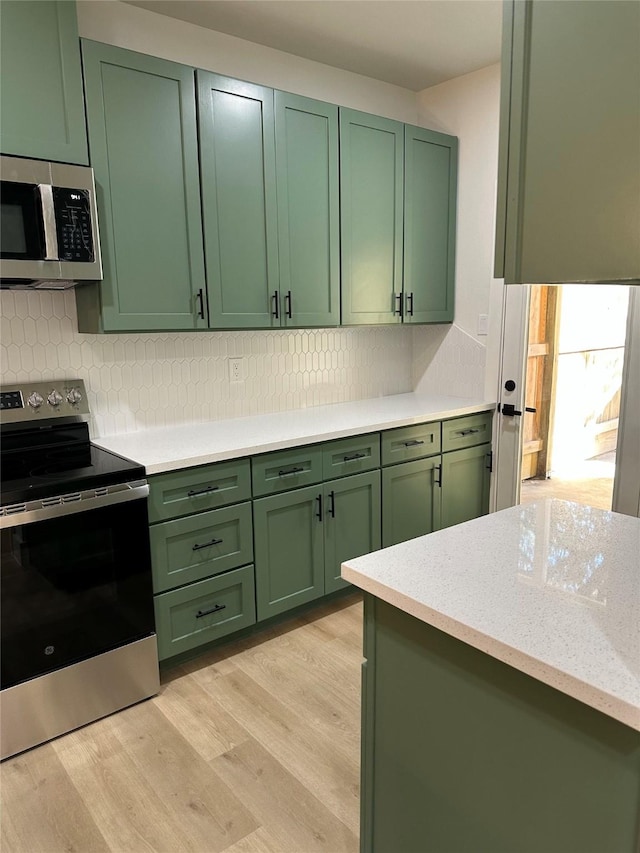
74, 396
54, 398
35, 400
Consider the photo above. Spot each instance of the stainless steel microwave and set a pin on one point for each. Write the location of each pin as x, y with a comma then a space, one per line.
48, 225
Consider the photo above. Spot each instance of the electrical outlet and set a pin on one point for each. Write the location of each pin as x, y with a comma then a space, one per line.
483, 324
236, 370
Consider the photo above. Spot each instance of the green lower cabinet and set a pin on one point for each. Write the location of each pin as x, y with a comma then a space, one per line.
200, 612
200, 546
465, 478
462, 753
410, 500
351, 523
289, 550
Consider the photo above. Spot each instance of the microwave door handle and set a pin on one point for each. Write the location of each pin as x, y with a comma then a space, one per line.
49, 222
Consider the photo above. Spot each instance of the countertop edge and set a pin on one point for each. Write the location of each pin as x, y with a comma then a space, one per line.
118, 443
611, 705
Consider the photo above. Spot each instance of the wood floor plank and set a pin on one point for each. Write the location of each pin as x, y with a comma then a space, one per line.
42, 810
292, 738
212, 817
199, 719
297, 819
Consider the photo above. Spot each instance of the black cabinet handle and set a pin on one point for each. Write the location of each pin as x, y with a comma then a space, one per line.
489, 467
468, 431
275, 303
332, 504
398, 305
437, 468
195, 492
206, 545
296, 470
200, 298
410, 304
319, 512
413, 443
287, 304
353, 456
214, 609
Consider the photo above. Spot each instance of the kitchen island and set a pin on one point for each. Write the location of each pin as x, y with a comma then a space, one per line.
501, 698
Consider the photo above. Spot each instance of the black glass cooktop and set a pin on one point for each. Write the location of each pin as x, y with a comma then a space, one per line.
47, 461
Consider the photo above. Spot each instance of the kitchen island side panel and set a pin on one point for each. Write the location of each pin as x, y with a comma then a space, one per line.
463, 752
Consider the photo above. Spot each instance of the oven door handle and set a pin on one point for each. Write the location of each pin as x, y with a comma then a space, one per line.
33, 511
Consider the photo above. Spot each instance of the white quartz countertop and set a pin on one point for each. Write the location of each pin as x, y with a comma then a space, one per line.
169, 448
551, 588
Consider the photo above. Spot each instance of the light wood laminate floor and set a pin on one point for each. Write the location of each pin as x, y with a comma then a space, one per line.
253, 748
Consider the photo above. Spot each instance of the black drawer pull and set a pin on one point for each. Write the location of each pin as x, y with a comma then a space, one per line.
214, 609
207, 544
290, 471
195, 492
468, 431
413, 443
353, 456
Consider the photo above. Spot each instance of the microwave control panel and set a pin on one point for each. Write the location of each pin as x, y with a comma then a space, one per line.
73, 224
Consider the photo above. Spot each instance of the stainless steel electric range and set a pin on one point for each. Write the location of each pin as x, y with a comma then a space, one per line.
77, 623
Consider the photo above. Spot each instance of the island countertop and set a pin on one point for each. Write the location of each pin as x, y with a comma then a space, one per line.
170, 448
551, 588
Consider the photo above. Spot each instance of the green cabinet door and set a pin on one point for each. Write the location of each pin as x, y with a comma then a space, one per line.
288, 536
308, 210
430, 182
465, 484
237, 161
41, 100
568, 179
410, 500
351, 524
371, 192
141, 115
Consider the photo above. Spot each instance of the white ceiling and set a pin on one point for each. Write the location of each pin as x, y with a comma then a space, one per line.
410, 43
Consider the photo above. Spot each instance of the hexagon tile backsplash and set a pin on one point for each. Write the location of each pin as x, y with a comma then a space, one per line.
136, 381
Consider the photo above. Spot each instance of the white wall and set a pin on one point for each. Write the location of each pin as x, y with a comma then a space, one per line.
467, 107
138, 29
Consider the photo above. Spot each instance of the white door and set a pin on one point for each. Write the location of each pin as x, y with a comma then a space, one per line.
508, 435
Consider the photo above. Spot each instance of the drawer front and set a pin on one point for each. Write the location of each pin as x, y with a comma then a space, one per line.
413, 442
286, 469
179, 493
204, 611
466, 432
202, 545
351, 456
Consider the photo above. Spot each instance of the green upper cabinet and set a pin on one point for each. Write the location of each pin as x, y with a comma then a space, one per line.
41, 102
569, 166
237, 160
308, 211
371, 187
430, 185
141, 114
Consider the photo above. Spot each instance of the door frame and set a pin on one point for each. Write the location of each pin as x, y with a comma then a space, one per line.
508, 431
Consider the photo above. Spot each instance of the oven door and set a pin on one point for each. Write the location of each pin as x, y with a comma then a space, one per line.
74, 583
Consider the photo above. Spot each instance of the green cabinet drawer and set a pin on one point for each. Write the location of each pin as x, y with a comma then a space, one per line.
201, 545
351, 455
286, 469
466, 432
201, 612
190, 490
412, 442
